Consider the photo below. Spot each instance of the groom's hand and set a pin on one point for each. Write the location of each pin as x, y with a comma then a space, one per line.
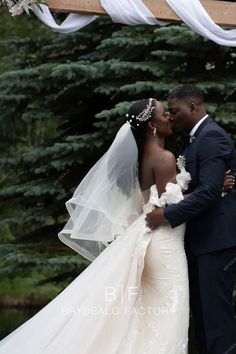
156, 218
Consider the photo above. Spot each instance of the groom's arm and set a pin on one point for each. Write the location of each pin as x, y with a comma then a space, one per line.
214, 153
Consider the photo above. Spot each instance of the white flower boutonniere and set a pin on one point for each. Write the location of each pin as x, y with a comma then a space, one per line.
181, 162
183, 178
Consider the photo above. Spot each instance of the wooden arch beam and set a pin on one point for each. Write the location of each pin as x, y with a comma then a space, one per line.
222, 12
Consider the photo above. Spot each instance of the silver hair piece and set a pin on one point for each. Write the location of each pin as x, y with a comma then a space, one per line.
146, 113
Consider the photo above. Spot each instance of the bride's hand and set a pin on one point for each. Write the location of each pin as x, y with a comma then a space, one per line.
229, 181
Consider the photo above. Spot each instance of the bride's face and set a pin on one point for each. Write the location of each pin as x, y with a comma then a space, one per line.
162, 121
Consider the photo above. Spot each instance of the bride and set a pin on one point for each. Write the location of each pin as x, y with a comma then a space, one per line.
134, 297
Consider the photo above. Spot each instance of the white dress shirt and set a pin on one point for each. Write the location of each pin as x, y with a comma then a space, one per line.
196, 126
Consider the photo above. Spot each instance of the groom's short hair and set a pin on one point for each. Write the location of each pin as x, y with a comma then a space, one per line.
187, 91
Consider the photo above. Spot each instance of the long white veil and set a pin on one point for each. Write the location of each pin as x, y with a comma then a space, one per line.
107, 200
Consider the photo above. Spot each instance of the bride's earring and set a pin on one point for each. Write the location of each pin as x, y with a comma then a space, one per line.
155, 132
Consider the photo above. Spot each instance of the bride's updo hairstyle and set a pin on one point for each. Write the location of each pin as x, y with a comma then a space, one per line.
140, 113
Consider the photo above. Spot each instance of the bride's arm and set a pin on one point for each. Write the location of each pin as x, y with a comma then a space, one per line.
164, 169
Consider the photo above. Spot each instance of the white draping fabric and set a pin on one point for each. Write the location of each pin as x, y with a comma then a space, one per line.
72, 23
135, 12
130, 12
196, 17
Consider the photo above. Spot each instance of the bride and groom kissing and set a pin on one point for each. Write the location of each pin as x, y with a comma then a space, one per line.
166, 239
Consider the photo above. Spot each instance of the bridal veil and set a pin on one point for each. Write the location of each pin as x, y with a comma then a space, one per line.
107, 200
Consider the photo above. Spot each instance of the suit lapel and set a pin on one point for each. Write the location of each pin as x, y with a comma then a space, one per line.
207, 121
184, 145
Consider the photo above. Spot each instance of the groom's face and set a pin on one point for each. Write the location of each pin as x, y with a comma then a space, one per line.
180, 115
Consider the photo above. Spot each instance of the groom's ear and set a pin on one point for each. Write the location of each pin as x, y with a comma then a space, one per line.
193, 107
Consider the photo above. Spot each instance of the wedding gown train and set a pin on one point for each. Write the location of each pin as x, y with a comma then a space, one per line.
132, 299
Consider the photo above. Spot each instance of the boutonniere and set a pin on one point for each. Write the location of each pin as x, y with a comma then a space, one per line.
181, 162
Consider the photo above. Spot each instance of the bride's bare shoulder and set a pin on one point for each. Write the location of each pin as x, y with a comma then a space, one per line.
160, 164
162, 156
164, 168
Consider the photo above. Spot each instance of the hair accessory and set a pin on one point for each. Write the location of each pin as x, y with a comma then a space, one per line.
145, 114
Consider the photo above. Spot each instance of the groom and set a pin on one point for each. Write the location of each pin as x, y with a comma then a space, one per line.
210, 239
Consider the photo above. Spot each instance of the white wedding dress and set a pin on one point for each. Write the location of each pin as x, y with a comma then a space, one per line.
132, 299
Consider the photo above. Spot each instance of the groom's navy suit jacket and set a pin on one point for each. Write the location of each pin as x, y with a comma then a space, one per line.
211, 219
